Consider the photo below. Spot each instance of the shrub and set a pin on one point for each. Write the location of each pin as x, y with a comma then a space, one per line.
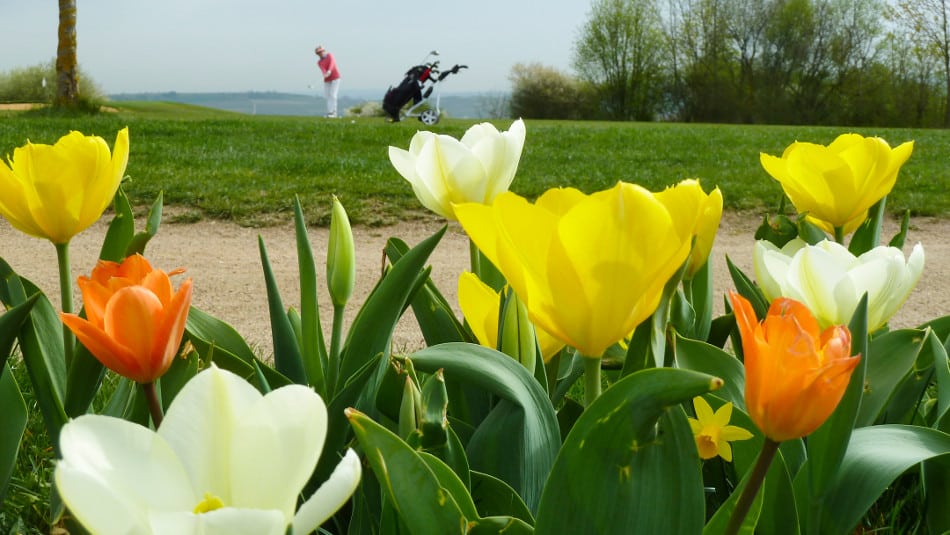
37, 83
541, 92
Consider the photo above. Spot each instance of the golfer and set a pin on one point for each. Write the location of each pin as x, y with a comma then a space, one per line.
331, 78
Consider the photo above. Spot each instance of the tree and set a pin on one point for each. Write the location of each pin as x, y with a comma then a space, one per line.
930, 20
619, 51
67, 71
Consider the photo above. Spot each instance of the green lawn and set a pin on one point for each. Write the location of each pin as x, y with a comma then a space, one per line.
223, 165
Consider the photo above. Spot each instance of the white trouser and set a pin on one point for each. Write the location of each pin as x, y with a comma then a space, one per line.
330, 91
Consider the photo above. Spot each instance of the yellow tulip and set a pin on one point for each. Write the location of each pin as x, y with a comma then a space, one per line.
707, 208
57, 191
589, 268
480, 302
836, 184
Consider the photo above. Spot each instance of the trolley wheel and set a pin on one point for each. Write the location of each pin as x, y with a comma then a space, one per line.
429, 117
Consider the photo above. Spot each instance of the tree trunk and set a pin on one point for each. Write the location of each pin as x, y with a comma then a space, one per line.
67, 72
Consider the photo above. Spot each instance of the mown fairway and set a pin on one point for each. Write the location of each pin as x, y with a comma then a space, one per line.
213, 164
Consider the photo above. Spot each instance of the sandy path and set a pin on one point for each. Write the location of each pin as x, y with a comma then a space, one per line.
223, 260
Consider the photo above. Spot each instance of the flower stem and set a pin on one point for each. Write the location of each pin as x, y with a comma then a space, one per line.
474, 258
336, 337
65, 297
839, 235
154, 406
591, 379
752, 486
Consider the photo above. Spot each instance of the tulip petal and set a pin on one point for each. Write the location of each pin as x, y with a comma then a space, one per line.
112, 471
104, 347
331, 495
225, 520
479, 304
205, 413
275, 445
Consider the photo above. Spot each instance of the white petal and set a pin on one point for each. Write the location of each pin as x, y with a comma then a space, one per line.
479, 133
771, 268
228, 520
200, 423
464, 172
331, 495
277, 443
817, 279
404, 162
113, 471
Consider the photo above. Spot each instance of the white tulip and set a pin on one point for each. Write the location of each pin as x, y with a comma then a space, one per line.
477, 168
830, 280
226, 459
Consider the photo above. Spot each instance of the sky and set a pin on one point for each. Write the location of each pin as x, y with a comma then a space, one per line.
131, 46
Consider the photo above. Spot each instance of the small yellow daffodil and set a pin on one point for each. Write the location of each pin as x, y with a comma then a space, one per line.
713, 432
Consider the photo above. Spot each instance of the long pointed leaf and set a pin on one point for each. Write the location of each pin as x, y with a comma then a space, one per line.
287, 357
421, 500
876, 456
373, 326
628, 459
313, 348
14, 424
524, 416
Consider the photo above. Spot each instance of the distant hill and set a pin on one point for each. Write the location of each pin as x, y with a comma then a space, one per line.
472, 106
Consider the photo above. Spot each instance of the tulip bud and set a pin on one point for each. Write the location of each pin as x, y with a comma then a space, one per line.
341, 256
516, 334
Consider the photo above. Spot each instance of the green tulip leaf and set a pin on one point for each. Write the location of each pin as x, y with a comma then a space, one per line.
898, 239
433, 313
701, 298
41, 345
218, 342
373, 326
499, 525
702, 357
14, 424
287, 357
10, 323
868, 234
495, 498
827, 445
890, 358
875, 457
936, 473
82, 381
423, 499
938, 354
313, 347
628, 458
141, 239
121, 229
523, 415
748, 289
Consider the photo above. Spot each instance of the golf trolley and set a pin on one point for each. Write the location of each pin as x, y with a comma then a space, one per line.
417, 86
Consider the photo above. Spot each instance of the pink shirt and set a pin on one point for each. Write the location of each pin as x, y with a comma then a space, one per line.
328, 65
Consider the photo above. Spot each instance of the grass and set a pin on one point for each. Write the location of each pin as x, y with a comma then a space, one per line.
228, 166
222, 165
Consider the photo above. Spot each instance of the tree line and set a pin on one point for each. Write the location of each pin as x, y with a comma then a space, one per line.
841, 62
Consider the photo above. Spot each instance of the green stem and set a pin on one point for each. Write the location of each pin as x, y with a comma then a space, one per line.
65, 297
756, 478
550, 370
591, 379
336, 339
839, 235
154, 406
474, 258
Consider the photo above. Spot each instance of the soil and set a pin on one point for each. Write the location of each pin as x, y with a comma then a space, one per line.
224, 261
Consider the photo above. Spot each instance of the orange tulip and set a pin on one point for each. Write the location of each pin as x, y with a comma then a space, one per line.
795, 374
134, 319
